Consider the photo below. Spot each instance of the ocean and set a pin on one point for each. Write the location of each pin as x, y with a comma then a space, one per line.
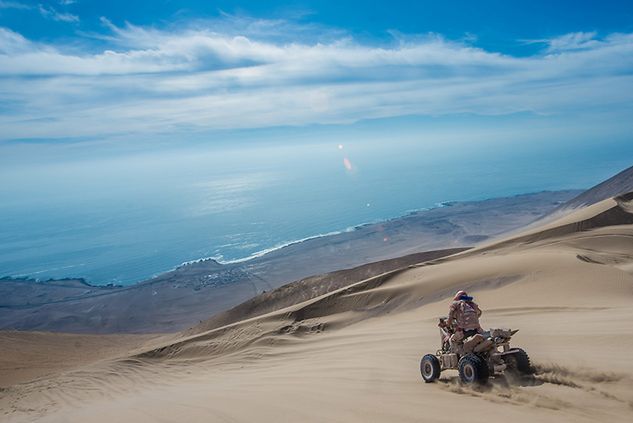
124, 218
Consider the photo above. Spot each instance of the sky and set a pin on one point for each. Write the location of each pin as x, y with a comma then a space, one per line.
133, 71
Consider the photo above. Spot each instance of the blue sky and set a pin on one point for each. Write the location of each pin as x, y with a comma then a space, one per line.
497, 24
108, 70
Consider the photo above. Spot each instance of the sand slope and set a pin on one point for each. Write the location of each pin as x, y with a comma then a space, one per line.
617, 184
352, 354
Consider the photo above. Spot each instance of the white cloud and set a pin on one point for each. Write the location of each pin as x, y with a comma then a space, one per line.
232, 75
51, 13
574, 41
13, 5
569, 42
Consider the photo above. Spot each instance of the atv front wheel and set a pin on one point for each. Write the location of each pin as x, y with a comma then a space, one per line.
472, 369
430, 368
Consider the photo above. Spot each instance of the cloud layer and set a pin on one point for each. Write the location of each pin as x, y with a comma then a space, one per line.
251, 74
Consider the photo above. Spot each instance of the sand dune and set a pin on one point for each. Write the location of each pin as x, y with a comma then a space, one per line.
352, 354
30, 355
612, 187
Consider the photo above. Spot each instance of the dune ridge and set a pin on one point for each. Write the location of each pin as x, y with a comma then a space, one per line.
612, 187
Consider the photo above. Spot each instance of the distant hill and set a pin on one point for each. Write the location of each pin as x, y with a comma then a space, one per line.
612, 187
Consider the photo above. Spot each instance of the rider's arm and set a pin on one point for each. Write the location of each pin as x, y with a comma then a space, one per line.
451, 316
479, 312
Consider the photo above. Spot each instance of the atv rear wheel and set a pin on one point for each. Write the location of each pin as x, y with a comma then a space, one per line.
430, 368
472, 369
521, 362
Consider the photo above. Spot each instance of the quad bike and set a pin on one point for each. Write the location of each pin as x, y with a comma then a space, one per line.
477, 358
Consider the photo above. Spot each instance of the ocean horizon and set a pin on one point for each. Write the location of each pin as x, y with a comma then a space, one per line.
126, 220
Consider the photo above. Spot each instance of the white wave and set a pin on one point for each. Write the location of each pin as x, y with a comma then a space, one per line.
52, 269
220, 259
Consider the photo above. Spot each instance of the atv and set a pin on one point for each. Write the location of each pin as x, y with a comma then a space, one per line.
477, 357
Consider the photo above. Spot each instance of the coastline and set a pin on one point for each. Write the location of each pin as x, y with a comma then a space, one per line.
266, 251
179, 298
261, 253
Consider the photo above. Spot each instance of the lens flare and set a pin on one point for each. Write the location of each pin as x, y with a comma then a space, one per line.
347, 164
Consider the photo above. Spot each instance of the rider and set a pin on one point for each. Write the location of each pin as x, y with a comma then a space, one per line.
463, 316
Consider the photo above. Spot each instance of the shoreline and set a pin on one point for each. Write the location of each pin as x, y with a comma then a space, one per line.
262, 253
181, 297
350, 229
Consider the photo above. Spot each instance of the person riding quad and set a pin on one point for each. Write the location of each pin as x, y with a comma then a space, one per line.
463, 317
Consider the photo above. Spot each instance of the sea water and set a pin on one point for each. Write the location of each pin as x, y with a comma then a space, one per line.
123, 218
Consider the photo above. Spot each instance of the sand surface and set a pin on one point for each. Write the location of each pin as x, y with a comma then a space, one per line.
353, 354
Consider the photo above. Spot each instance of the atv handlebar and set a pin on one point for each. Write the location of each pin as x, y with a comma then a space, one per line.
444, 325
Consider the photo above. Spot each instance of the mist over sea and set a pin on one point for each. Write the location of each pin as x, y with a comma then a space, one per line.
124, 218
